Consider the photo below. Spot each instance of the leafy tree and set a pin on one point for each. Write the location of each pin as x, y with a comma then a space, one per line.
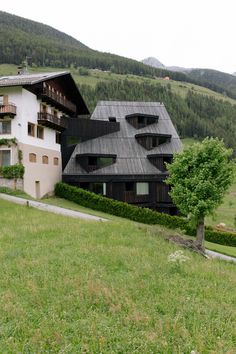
199, 178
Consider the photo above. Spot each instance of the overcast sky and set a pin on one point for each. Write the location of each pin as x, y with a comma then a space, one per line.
189, 33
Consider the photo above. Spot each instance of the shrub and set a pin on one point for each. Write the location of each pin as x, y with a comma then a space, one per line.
222, 237
143, 215
13, 171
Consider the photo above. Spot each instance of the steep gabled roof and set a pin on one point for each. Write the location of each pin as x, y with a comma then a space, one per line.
29, 79
131, 156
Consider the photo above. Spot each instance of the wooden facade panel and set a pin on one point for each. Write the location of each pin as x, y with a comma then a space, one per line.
162, 192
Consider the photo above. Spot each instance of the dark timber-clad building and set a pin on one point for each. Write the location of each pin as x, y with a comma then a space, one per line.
121, 153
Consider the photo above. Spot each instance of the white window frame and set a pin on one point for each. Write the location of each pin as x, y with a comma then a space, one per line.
104, 191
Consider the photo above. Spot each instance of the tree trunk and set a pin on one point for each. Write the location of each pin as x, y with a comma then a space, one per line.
200, 232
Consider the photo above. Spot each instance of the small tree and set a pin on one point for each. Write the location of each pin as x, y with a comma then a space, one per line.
199, 178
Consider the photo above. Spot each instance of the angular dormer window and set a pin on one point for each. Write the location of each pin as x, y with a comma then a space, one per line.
151, 140
160, 160
138, 120
92, 162
112, 119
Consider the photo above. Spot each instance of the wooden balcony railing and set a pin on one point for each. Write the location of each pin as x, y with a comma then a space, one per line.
51, 121
8, 110
58, 99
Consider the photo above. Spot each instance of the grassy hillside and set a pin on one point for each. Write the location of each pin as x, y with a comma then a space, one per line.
71, 286
195, 111
94, 76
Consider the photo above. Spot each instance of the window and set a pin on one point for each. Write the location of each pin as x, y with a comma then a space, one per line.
58, 138
98, 188
56, 161
40, 132
154, 141
1, 100
142, 188
32, 157
45, 160
129, 186
5, 127
31, 129
43, 108
92, 160
5, 157
55, 113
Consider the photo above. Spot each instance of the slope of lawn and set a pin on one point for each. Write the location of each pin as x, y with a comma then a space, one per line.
73, 286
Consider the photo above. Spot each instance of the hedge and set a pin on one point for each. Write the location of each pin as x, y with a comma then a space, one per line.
143, 215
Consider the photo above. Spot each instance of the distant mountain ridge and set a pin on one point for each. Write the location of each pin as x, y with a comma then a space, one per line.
215, 80
155, 63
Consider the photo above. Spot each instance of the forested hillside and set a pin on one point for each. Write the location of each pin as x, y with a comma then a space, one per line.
194, 115
46, 46
215, 80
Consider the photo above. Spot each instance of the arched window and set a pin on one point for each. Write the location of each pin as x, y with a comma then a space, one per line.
45, 159
56, 161
32, 157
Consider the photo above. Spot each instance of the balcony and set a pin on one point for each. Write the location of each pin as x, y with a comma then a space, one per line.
51, 121
8, 110
57, 100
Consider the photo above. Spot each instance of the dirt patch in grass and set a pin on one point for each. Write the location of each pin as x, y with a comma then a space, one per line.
186, 243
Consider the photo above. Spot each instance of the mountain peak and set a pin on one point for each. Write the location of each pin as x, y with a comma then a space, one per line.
151, 61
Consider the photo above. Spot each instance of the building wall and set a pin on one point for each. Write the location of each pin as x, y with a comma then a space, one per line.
39, 178
11, 183
27, 108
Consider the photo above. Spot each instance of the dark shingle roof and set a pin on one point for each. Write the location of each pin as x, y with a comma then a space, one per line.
131, 156
28, 79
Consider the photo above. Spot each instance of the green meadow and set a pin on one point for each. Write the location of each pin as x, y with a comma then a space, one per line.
75, 286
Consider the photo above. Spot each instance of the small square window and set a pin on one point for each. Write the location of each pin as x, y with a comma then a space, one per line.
5, 127
142, 188
31, 129
40, 132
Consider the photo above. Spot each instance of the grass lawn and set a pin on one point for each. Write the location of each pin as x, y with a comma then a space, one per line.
75, 286
229, 251
226, 213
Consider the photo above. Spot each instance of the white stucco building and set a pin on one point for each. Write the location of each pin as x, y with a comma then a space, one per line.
33, 111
